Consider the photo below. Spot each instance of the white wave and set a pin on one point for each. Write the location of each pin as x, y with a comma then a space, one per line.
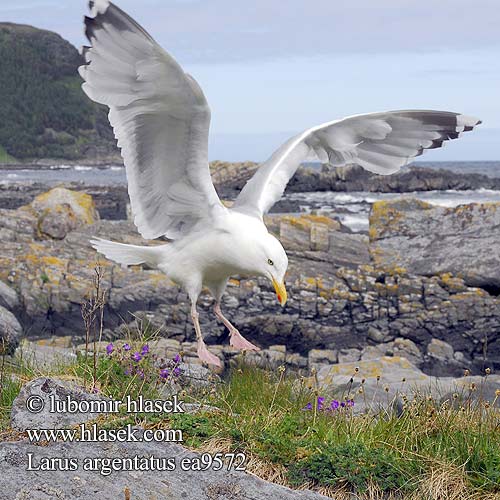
83, 168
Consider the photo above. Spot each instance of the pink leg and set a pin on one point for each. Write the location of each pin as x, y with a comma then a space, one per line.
236, 340
203, 353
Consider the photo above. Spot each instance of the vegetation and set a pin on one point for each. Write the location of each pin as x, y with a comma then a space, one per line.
290, 432
45, 114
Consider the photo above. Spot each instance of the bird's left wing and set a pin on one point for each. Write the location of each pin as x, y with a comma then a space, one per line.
379, 142
160, 118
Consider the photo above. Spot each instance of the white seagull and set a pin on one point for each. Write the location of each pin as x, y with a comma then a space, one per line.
161, 120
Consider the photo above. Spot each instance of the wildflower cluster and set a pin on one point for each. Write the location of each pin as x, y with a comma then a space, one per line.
143, 364
333, 406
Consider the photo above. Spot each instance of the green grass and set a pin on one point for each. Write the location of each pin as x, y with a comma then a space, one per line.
6, 157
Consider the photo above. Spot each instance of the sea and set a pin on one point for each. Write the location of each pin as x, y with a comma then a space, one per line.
351, 208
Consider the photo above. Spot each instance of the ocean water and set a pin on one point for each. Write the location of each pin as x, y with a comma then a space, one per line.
351, 209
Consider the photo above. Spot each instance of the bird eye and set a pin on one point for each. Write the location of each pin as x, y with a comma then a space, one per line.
270, 262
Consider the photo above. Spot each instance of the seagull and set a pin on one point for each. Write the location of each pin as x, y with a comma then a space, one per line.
161, 121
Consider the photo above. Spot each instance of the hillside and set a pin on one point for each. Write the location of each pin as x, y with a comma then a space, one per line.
45, 114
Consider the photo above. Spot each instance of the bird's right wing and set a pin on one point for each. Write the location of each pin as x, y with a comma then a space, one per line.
160, 118
379, 142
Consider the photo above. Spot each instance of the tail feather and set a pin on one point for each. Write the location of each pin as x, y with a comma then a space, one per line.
128, 254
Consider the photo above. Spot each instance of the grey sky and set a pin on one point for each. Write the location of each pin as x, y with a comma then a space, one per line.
272, 68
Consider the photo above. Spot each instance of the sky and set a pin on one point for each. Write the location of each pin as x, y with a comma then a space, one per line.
271, 69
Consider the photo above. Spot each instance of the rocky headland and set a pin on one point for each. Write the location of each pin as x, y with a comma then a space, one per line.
422, 285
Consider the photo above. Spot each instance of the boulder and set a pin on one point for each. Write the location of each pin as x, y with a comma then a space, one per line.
61, 210
440, 350
41, 390
8, 297
429, 240
10, 332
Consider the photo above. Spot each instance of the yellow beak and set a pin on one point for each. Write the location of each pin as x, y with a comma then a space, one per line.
280, 292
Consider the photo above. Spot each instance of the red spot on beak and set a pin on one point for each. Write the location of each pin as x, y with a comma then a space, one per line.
279, 298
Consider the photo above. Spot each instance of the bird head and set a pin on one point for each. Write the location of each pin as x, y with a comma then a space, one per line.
273, 263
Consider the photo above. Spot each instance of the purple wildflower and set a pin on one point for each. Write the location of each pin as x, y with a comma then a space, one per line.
140, 373
164, 373
128, 370
320, 402
136, 357
308, 406
126, 347
177, 371
145, 349
109, 348
334, 405
177, 358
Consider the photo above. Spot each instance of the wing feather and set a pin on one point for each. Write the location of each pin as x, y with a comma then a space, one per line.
379, 142
160, 118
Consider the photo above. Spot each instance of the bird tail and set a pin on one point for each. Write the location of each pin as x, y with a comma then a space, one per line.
128, 254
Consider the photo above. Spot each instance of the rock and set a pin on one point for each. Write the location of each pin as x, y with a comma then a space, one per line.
372, 352
45, 357
440, 350
348, 355
42, 389
429, 240
306, 232
61, 210
382, 383
10, 332
141, 484
407, 349
328, 356
333, 304
8, 297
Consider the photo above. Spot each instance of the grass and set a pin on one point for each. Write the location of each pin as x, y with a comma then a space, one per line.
6, 157
429, 450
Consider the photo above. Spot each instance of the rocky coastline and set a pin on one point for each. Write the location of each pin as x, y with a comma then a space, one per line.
352, 297
229, 178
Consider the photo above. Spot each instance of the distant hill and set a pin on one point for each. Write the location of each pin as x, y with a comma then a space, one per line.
43, 111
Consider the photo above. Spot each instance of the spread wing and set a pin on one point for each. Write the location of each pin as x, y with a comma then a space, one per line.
379, 142
160, 118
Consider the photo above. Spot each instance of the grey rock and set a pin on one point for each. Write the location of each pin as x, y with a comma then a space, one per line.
348, 355
440, 350
43, 390
45, 357
10, 331
8, 297
429, 240
143, 485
